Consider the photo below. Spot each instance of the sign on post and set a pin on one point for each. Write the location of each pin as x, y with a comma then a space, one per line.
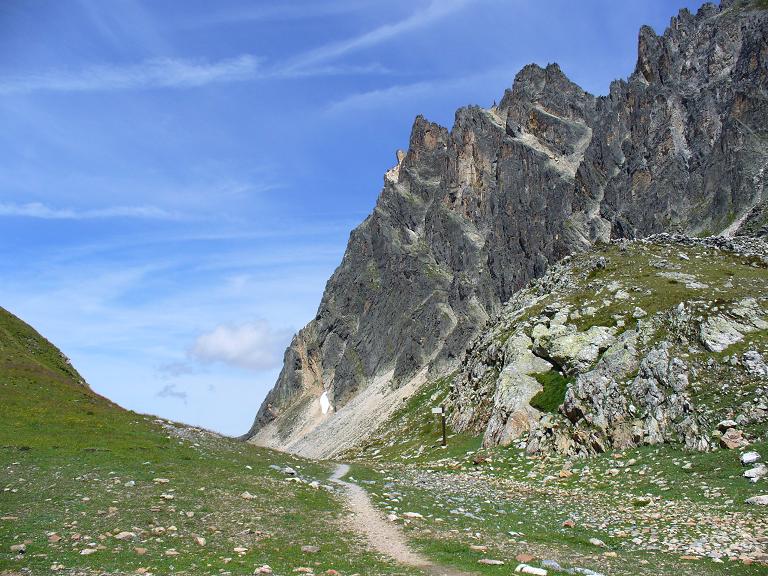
441, 410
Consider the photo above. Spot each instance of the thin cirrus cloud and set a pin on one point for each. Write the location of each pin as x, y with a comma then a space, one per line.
153, 73
277, 12
169, 73
45, 212
184, 73
434, 11
253, 346
170, 391
394, 95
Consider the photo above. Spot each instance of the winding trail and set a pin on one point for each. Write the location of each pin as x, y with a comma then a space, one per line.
382, 535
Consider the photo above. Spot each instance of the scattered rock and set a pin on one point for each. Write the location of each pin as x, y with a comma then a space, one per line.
733, 439
754, 363
412, 515
597, 542
754, 474
310, 549
749, 458
761, 500
723, 425
490, 562
526, 569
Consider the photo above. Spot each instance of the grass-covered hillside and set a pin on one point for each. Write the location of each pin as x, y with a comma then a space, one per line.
89, 488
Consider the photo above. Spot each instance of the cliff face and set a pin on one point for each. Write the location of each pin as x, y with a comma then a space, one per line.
467, 217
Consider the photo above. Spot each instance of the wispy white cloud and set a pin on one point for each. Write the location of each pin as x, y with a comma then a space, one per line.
285, 11
43, 211
434, 11
170, 391
185, 73
383, 96
291, 71
171, 73
395, 95
254, 345
154, 73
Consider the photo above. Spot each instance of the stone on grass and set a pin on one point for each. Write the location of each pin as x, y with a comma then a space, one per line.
526, 569
412, 515
524, 558
749, 458
754, 474
733, 439
597, 542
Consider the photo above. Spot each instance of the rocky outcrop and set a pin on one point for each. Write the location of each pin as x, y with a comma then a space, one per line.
634, 353
469, 216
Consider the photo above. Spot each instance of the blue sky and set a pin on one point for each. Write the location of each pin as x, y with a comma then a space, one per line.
179, 179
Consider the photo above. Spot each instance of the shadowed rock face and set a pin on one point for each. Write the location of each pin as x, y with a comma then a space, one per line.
468, 216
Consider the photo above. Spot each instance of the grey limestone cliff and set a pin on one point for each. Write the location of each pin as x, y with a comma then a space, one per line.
468, 216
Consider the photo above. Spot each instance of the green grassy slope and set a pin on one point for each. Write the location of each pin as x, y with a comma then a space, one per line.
76, 470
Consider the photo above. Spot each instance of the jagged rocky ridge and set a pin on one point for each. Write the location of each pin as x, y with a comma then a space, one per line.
468, 216
644, 342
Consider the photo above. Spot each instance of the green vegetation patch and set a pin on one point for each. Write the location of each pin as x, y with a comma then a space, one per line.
553, 395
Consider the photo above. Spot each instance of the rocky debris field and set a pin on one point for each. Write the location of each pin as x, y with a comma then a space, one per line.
635, 343
612, 417
646, 511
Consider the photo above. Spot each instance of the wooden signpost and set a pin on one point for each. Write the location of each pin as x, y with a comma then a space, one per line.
441, 410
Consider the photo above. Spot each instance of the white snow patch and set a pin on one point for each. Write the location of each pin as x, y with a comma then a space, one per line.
325, 404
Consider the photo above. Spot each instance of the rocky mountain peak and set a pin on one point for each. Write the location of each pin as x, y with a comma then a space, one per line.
469, 216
